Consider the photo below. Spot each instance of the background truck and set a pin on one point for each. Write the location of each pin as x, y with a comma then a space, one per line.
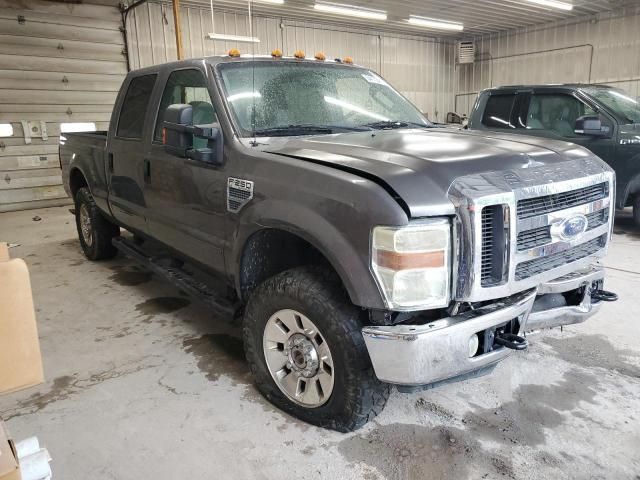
360, 246
604, 119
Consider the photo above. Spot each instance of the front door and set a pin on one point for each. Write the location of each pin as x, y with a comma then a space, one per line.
553, 115
126, 155
187, 197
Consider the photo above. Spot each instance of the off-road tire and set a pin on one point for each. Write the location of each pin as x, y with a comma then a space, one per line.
102, 230
357, 396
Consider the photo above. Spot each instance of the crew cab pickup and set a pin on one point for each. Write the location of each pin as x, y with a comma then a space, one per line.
604, 119
360, 246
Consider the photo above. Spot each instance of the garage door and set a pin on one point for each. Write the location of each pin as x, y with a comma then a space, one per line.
61, 65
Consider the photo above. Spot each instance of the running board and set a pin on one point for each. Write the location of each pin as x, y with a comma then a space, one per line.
179, 277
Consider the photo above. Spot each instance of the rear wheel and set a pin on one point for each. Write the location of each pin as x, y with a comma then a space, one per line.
304, 345
94, 230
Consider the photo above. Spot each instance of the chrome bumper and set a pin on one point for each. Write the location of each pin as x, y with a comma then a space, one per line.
439, 350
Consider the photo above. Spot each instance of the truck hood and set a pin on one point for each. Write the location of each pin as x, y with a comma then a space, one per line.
420, 165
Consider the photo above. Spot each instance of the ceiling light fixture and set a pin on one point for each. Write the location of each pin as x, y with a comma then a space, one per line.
232, 38
351, 11
435, 23
553, 4
279, 2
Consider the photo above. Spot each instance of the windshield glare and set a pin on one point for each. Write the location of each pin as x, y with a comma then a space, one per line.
618, 101
299, 94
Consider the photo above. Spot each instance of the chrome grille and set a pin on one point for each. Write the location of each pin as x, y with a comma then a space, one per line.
542, 235
539, 265
531, 207
487, 244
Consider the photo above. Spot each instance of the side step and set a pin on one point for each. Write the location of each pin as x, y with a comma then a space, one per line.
179, 277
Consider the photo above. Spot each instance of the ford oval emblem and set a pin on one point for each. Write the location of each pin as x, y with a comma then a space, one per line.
573, 226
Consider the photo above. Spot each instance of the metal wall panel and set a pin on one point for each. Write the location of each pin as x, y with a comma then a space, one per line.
421, 68
62, 62
600, 49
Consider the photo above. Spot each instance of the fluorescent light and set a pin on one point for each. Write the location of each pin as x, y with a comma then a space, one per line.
241, 95
351, 11
278, 2
434, 23
6, 130
77, 127
354, 108
553, 4
232, 38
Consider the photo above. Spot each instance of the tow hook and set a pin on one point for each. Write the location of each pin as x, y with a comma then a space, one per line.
511, 340
604, 295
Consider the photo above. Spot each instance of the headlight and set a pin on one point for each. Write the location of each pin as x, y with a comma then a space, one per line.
412, 264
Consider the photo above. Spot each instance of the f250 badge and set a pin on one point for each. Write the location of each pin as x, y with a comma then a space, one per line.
239, 193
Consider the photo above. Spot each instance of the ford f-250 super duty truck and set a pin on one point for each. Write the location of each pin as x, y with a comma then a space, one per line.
362, 247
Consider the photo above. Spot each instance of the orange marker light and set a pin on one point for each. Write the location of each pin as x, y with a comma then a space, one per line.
348, 60
299, 54
234, 52
276, 53
320, 56
164, 136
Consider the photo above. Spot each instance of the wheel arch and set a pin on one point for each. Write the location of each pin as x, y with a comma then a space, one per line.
270, 246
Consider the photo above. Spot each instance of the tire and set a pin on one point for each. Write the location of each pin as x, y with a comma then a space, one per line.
316, 294
95, 240
636, 211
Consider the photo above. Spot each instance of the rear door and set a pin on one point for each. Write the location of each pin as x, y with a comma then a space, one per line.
126, 152
186, 197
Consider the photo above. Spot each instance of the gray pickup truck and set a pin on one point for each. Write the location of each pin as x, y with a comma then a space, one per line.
360, 246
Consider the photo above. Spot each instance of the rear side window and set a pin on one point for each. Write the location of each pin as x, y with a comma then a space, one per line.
497, 112
134, 107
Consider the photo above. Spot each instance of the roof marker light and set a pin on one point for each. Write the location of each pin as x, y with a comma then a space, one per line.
299, 54
276, 53
320, 56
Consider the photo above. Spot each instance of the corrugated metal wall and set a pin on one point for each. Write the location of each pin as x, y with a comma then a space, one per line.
601, 49
58, 63
421, 68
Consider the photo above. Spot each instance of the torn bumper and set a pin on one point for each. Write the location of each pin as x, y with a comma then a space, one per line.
443, 349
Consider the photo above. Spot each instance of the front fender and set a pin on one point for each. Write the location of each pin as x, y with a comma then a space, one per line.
350, 259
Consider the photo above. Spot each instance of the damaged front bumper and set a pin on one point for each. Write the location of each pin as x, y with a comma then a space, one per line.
462, 344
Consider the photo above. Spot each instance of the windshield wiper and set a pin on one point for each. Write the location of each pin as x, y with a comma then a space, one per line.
306, 129
391, 124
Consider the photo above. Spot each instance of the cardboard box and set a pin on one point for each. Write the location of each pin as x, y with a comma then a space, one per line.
20, 359
9, 467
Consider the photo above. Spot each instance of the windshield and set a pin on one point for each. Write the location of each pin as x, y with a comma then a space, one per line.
296, 98
618, 101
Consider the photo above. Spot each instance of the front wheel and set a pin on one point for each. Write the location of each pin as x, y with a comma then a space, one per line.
636, 211
94, 230
304, 345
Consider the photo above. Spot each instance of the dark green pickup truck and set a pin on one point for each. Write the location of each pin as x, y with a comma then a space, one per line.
604, 119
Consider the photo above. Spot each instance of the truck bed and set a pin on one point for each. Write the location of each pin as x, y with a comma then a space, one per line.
90, 145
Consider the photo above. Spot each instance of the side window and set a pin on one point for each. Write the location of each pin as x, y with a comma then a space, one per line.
556, 113
497, 112
134, 107
186, 86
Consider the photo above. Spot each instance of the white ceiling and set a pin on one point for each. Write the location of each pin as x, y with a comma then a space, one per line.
478, 16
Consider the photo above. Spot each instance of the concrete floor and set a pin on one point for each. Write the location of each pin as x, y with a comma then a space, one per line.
143, 383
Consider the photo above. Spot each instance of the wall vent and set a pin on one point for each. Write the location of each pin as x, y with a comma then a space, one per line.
466, 52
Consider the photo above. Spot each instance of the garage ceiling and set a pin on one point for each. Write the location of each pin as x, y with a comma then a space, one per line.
478, 16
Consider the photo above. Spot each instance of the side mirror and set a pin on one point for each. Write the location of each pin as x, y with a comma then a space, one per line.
178, 133
591, 126
453, 117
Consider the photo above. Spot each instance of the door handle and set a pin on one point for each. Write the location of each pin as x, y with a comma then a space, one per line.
110, 162
147, 170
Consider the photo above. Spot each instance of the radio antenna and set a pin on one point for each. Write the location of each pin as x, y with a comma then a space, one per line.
253, 77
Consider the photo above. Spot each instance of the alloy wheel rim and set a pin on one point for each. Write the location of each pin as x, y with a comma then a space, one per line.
85, 226
298, 358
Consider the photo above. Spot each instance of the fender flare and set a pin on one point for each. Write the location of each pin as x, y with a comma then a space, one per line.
318, 231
